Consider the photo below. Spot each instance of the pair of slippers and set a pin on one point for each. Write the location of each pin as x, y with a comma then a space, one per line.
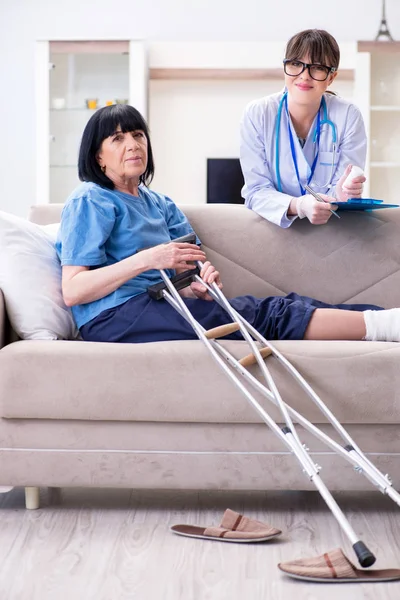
333, 566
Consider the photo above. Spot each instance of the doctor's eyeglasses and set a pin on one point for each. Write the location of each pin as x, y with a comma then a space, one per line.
317, 72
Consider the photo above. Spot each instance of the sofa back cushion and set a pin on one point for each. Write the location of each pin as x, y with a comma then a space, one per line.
354, 259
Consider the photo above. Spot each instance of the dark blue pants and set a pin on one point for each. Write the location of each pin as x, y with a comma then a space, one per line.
142, 319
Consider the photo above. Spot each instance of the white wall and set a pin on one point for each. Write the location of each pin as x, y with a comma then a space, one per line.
211, 112
24, 21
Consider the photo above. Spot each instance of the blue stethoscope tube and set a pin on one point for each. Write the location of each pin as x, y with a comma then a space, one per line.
316, 139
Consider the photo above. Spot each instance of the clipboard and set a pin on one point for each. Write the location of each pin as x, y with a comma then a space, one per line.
363, 204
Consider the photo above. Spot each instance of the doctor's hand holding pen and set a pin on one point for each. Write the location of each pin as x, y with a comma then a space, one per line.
317, 212
318, 208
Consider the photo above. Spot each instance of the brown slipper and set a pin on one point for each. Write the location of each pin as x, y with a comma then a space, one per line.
335, 567
233, 528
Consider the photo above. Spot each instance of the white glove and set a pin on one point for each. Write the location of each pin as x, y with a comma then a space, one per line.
316, 212
350, 185
355, 172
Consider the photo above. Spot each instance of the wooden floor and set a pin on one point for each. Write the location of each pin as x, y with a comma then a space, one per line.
91, 544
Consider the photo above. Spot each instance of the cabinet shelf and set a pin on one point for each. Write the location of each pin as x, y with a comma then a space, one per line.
63, 166
73, 109
377, 94
385, 164
74, 79
385, 108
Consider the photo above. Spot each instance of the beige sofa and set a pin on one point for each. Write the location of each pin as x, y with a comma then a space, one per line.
162, 415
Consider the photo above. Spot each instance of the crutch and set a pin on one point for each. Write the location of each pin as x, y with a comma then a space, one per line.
167, 289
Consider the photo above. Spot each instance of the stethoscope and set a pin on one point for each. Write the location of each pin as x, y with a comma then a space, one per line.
316, 139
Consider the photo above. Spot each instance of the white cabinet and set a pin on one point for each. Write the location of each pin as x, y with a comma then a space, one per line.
377, 93
75, 78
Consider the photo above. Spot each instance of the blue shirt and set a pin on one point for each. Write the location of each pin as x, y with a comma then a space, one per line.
100, 227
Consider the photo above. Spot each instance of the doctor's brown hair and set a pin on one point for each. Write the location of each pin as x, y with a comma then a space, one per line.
317, 44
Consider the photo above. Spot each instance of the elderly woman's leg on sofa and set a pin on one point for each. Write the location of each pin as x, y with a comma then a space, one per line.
337, 324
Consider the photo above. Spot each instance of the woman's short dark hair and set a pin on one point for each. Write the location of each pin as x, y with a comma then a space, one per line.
319, 45
100, 126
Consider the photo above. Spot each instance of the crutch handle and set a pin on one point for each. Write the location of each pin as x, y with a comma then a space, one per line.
189, 238
250, 359
365, 556
179, 281
221, 331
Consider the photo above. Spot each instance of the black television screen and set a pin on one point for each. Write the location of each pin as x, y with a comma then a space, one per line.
224, 181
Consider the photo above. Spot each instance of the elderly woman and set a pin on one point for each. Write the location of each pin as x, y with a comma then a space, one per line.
113, 215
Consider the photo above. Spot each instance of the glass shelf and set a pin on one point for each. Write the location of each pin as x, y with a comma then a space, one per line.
384, 137
98, 72
385, 165
385, 73
384, 123
385, 108
72, 109
63, 166
76, 79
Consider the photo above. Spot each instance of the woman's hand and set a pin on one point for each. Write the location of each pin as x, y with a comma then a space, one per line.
81, 285
210, 275
174, 255
318, 213
354, 189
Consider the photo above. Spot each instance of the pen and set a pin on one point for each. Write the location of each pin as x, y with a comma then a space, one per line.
318, 197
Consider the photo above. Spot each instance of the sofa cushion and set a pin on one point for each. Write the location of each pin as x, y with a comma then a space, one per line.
30, 279
180, 382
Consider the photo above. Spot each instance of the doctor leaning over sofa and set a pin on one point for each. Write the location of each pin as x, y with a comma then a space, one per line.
304, 135
113, 215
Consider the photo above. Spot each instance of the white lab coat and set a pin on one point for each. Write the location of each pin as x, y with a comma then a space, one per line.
257, 154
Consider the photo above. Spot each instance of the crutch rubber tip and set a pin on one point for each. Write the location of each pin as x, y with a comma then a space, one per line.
365, 557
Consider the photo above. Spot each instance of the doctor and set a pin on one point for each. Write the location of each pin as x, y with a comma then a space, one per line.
303, 135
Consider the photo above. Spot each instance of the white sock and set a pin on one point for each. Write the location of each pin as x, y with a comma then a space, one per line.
382, 325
